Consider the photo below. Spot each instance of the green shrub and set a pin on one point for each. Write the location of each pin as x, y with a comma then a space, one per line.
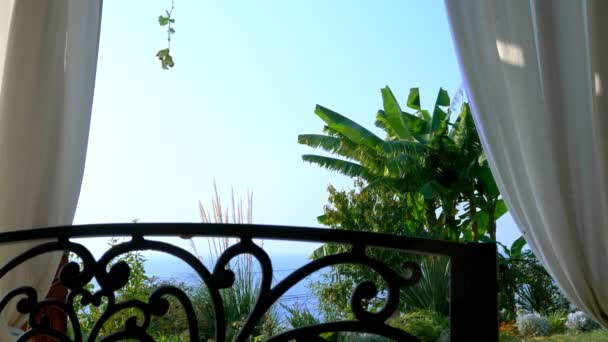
426, 325
239, 300
533, 324
536, 290
298, 316
139, 287
170, 338
557, 321
433, 289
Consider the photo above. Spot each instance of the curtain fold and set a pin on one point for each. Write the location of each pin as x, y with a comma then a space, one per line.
48, 58
535, 73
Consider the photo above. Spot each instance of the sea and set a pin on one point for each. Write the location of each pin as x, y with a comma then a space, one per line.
167, 267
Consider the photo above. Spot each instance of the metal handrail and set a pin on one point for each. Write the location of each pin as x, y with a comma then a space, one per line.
473, 287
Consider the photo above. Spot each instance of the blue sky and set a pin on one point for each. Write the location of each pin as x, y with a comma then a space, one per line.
248, 75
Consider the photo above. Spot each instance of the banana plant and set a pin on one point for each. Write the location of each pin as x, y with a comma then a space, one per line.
424, 154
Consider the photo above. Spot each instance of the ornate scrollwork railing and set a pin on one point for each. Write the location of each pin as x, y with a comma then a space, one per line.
473, 308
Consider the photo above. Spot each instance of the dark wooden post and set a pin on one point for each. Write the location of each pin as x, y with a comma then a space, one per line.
474, 293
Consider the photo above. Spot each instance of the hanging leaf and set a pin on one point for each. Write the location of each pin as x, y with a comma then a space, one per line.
163, 21
165, 58
164, 55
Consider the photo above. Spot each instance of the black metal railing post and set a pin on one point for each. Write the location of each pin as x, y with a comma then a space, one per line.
474, 293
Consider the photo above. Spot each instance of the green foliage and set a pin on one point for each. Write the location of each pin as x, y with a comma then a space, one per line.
537, 291
170, 338
139, 287
359, 337
432, 292
436, 164
427, 325
557, 321
516, 250
174, 322
333, 291
165, 58
164, 55
428, 177
239, 300
510, 277
525, 283
364, 209
533, 324
375, 209
299, 316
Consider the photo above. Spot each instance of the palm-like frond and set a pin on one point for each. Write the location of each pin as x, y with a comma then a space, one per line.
350, 129
382, 123
402, 165
464, 133
344, 167
327, 143
396, 147
337, 143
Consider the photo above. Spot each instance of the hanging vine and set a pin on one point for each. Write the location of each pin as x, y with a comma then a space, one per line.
164, 55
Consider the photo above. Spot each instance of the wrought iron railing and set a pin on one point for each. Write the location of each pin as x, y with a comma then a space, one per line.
473, 287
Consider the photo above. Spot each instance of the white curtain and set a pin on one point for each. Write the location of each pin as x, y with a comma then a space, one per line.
48, 58
536, 73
